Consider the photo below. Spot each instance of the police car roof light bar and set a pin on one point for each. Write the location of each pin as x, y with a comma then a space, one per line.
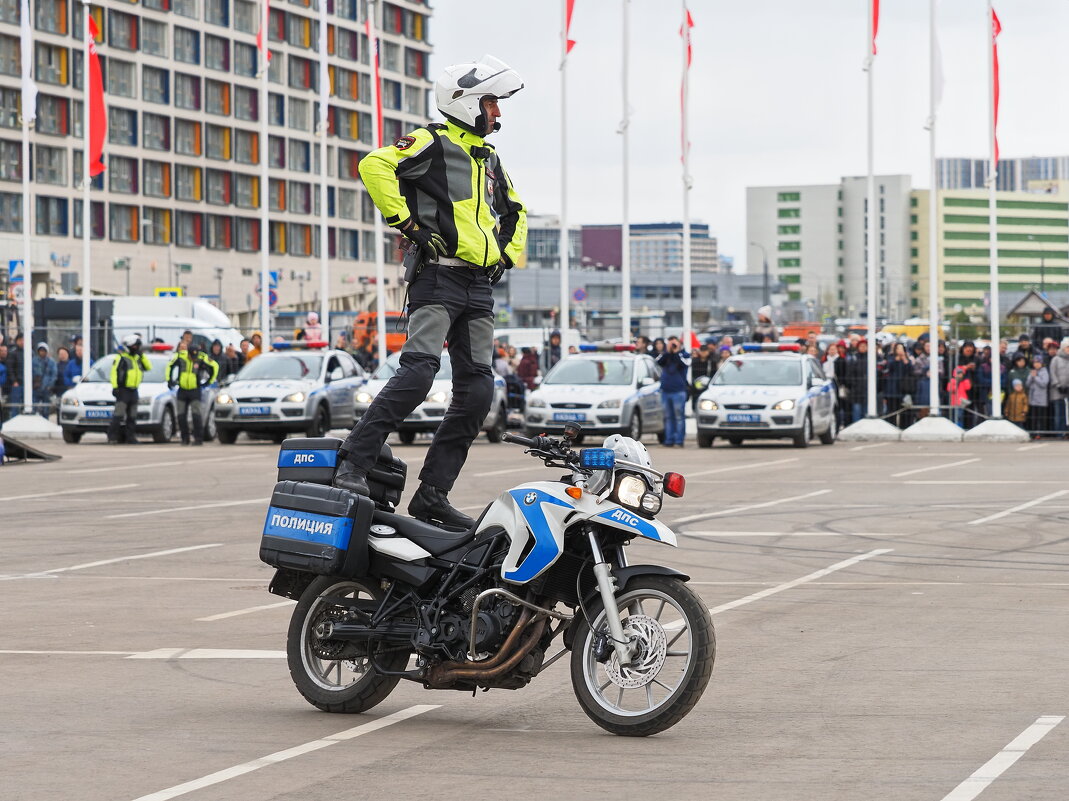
771, 347
606, 347
160, 347
299, 344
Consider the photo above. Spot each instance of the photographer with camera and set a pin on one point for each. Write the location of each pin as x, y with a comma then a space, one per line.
674, 362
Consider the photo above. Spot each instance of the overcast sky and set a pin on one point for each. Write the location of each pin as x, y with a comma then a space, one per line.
777, 96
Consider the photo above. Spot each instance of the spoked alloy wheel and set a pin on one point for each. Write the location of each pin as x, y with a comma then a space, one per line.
672, 663
347, 683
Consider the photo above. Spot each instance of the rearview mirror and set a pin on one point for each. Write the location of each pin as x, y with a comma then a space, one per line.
337, 374
645, 381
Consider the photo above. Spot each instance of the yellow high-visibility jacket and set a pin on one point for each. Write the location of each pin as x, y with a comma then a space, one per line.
449, 181
127, 370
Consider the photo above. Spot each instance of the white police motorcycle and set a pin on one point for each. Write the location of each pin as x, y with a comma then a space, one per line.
383, 597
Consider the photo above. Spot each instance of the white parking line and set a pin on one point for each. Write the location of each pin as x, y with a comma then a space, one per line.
1004, 759
289, 753
246, 611
874, 445
933, 467
791, 534
757, 596
187, 508
161, 464
55, 570
1033, 446
207, 653
67, 492
501, 472
691, 518
1011, 510
735, 468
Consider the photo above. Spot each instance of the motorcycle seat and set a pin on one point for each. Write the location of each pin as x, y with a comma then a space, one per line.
431, 538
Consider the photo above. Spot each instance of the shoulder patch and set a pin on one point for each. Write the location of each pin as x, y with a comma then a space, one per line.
405, 142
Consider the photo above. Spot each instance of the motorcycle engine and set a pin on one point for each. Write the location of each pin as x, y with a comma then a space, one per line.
496, 616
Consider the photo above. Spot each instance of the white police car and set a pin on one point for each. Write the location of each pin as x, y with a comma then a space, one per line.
299, 386
768, 391
88, 405
429, 415
606, 389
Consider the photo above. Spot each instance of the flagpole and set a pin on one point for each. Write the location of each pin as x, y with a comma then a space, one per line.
933, 222
380, 256
996, 359
86, 184
687, 182
870, 60
27, 271
565, 262
625, 226
324, 239
265, 184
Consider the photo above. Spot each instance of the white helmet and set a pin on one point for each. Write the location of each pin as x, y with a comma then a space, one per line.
132, 340
462, 87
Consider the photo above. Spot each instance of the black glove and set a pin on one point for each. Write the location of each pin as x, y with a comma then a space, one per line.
1064, 390
171, 385
429, 242
497, 271
115, 392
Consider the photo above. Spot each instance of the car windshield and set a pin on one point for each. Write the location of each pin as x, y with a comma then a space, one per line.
100, 372
759, 373
386, 371
282, 367
596, 372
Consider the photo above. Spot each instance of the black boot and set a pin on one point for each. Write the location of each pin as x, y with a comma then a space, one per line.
349, 477
431, 505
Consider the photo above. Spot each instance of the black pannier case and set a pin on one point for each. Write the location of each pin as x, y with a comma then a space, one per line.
317, 529
315, 459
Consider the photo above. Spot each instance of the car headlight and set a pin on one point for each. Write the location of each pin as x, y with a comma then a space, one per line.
69, 400
615, 403
536, 403
223, 399
784, 405
629, 491
145, 401
364, 397
438, 397
708, 405
294, 397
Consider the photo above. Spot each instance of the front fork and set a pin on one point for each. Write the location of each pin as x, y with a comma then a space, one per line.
607, 587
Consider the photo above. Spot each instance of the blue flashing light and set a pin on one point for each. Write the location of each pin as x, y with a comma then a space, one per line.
597, 458
298, 344
589, 347
771, 347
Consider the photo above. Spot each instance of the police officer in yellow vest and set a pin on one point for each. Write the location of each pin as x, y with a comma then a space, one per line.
127, 371
443, 187
190, 370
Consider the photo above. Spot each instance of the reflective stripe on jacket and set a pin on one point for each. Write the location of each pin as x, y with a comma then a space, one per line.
128, 370
191, 374
451, 182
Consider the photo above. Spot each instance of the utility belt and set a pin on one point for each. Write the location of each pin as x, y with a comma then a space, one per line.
414, 263
451, 261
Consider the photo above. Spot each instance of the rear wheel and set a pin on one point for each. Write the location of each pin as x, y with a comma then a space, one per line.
332, 675
801, 439
71, 436
705, 440
406, 437
164, 432
227, 436
674, 649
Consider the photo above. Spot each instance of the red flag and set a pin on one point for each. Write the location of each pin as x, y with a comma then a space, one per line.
378, 82
684, 31
695, 343
260, 44
569, 6
875, 23
98, 115
996, 29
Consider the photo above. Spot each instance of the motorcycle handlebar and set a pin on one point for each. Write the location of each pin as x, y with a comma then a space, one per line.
527, 442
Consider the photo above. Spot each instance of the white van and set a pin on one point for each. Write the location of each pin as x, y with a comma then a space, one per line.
537, 337
166, 319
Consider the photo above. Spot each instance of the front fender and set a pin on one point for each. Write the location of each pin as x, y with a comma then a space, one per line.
626, 574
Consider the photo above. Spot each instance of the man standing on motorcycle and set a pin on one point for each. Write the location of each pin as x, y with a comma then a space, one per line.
446, 192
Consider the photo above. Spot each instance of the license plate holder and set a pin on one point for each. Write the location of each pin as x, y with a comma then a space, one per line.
569, 417
744, 418
249, 411
98, 414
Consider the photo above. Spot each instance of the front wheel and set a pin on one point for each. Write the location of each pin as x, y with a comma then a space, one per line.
332, 675
828, 437
320, 424
634, 427
675, 647
497, 432
801, 439
71, 436
165, 431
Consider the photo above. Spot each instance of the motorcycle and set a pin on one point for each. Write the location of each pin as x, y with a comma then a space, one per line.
382, 597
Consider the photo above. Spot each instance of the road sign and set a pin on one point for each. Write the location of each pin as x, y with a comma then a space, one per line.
272, 298
168, 291
273, 279
15, 271
579, 295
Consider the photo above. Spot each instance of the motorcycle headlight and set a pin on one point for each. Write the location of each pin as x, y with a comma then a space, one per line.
438, 397
629, 491
615, 403
536, 403
364, 397
223, 399
69, 400
708, 405
651, 503
784, 405
294, 397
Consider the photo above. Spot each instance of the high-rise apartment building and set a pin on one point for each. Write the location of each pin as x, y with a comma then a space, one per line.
179, 202
815, 241
654, 246
1014, 175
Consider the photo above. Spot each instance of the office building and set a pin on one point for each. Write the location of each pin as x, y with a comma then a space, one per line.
1014, 175
654, 246
179, 202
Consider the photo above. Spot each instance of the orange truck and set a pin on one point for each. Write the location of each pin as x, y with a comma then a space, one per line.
801, 330
366, 331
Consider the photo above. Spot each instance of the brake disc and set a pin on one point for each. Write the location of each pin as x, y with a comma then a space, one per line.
651, 648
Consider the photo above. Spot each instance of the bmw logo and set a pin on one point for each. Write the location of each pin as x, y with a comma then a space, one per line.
530, 498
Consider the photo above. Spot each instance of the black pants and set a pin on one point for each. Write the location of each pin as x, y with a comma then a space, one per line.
185, 399
125, 412
446, 304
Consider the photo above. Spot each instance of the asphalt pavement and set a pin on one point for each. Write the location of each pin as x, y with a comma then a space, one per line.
891, 623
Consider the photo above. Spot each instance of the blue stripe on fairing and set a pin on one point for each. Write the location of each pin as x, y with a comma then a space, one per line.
308, 458
623, 517
545, 550
308, 527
